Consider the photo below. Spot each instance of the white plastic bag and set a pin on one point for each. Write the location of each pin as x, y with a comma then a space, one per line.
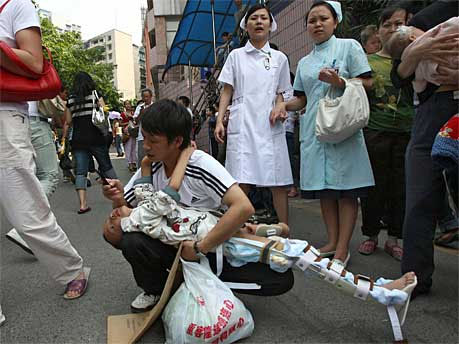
205, 310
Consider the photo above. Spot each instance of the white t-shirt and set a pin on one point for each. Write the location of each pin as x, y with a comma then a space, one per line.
204, 185
16, 16
136, 114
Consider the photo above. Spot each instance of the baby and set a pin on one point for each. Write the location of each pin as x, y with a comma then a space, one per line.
426, 70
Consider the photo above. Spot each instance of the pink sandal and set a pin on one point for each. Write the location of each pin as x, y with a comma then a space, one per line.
77, 285
394, 250
368, 247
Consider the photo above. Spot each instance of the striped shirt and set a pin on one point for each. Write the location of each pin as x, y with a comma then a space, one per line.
85, 134
204, 185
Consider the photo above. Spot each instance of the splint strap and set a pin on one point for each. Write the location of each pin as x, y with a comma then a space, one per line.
245, 286
219, 254
265, 252
363, 285
333, 272
310, 255
396, 327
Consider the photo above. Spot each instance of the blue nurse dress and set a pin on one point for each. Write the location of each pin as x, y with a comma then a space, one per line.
344, 165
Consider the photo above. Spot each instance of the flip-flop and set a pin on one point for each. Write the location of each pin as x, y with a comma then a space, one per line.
78, 285
82, 211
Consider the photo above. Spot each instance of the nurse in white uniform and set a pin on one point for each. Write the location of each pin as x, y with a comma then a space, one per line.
254, 78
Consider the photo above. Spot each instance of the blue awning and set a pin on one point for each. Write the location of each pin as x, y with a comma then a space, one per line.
194, 38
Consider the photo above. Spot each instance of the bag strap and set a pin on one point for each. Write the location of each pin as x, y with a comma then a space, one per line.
3, 6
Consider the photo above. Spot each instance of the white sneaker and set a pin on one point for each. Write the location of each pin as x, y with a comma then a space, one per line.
15, 238
2, 317
144, 302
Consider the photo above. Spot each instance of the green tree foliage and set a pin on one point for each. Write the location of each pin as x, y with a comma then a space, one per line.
70, 57
360, 13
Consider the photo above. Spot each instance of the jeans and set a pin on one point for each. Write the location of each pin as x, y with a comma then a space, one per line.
387, 198
425, 188
150, 259
25, 204
118, 145
82, 157
46, 159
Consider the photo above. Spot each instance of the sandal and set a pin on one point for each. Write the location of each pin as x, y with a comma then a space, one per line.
448, 238
82, 211
368, 247
394, 250
77, 285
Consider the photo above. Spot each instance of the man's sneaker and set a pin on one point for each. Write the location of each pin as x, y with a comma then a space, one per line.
15, 238
144, 302
2, 317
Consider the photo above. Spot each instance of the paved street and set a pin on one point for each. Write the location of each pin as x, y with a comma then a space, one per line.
310, 313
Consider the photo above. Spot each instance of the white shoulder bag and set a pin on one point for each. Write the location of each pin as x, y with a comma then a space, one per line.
98, 117
338, 119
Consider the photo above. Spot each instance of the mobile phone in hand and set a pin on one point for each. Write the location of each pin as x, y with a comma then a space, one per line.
102, 178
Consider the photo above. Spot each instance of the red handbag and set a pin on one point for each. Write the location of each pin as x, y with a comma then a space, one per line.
18, 88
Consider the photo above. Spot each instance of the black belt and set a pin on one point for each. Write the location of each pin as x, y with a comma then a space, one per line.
40, 118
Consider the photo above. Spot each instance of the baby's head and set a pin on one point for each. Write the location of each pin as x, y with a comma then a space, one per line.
112, 226
400, 39
370, 39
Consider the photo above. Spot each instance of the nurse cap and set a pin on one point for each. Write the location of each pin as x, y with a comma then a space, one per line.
273, 24
337, 7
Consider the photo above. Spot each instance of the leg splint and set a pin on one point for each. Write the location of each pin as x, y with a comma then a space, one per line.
282, 254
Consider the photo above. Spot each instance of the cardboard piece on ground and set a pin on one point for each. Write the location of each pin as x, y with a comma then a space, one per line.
129, 328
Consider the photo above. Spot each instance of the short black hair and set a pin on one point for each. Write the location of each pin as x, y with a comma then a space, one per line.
225, 34
147, 90
322, 3
255, 8
185, 100
166, 117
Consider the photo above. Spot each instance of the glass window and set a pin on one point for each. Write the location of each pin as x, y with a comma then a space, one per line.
109, 47
109, 38
110, 56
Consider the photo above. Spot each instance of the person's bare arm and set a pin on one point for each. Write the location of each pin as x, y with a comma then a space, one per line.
115, 193
225, 98
294, 104
239, 210
29, 51
180, 168
68, 117
274, 116
436, 48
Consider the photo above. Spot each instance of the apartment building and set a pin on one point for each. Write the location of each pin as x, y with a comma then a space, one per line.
119, 51
139, 69
62, 24
161, 23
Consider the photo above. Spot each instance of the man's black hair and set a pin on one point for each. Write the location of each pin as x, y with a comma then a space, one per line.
169, 118
185, 100
147, 90
225, 34
322, 3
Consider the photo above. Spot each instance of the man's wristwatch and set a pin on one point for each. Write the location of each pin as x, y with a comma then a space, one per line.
196, 250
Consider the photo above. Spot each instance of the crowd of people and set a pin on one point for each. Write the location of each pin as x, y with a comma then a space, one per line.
407, 64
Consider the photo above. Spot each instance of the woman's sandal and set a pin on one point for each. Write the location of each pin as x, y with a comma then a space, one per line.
82, 211
447, 238
78, 285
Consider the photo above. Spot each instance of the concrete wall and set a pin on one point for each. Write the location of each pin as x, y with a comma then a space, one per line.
124, 61
291, 36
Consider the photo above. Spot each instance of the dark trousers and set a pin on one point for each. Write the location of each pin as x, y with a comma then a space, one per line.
425, 188
150, 259
294, 163
387, 198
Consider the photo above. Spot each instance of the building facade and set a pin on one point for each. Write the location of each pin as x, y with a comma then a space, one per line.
62, 24
119, 51
161, 23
